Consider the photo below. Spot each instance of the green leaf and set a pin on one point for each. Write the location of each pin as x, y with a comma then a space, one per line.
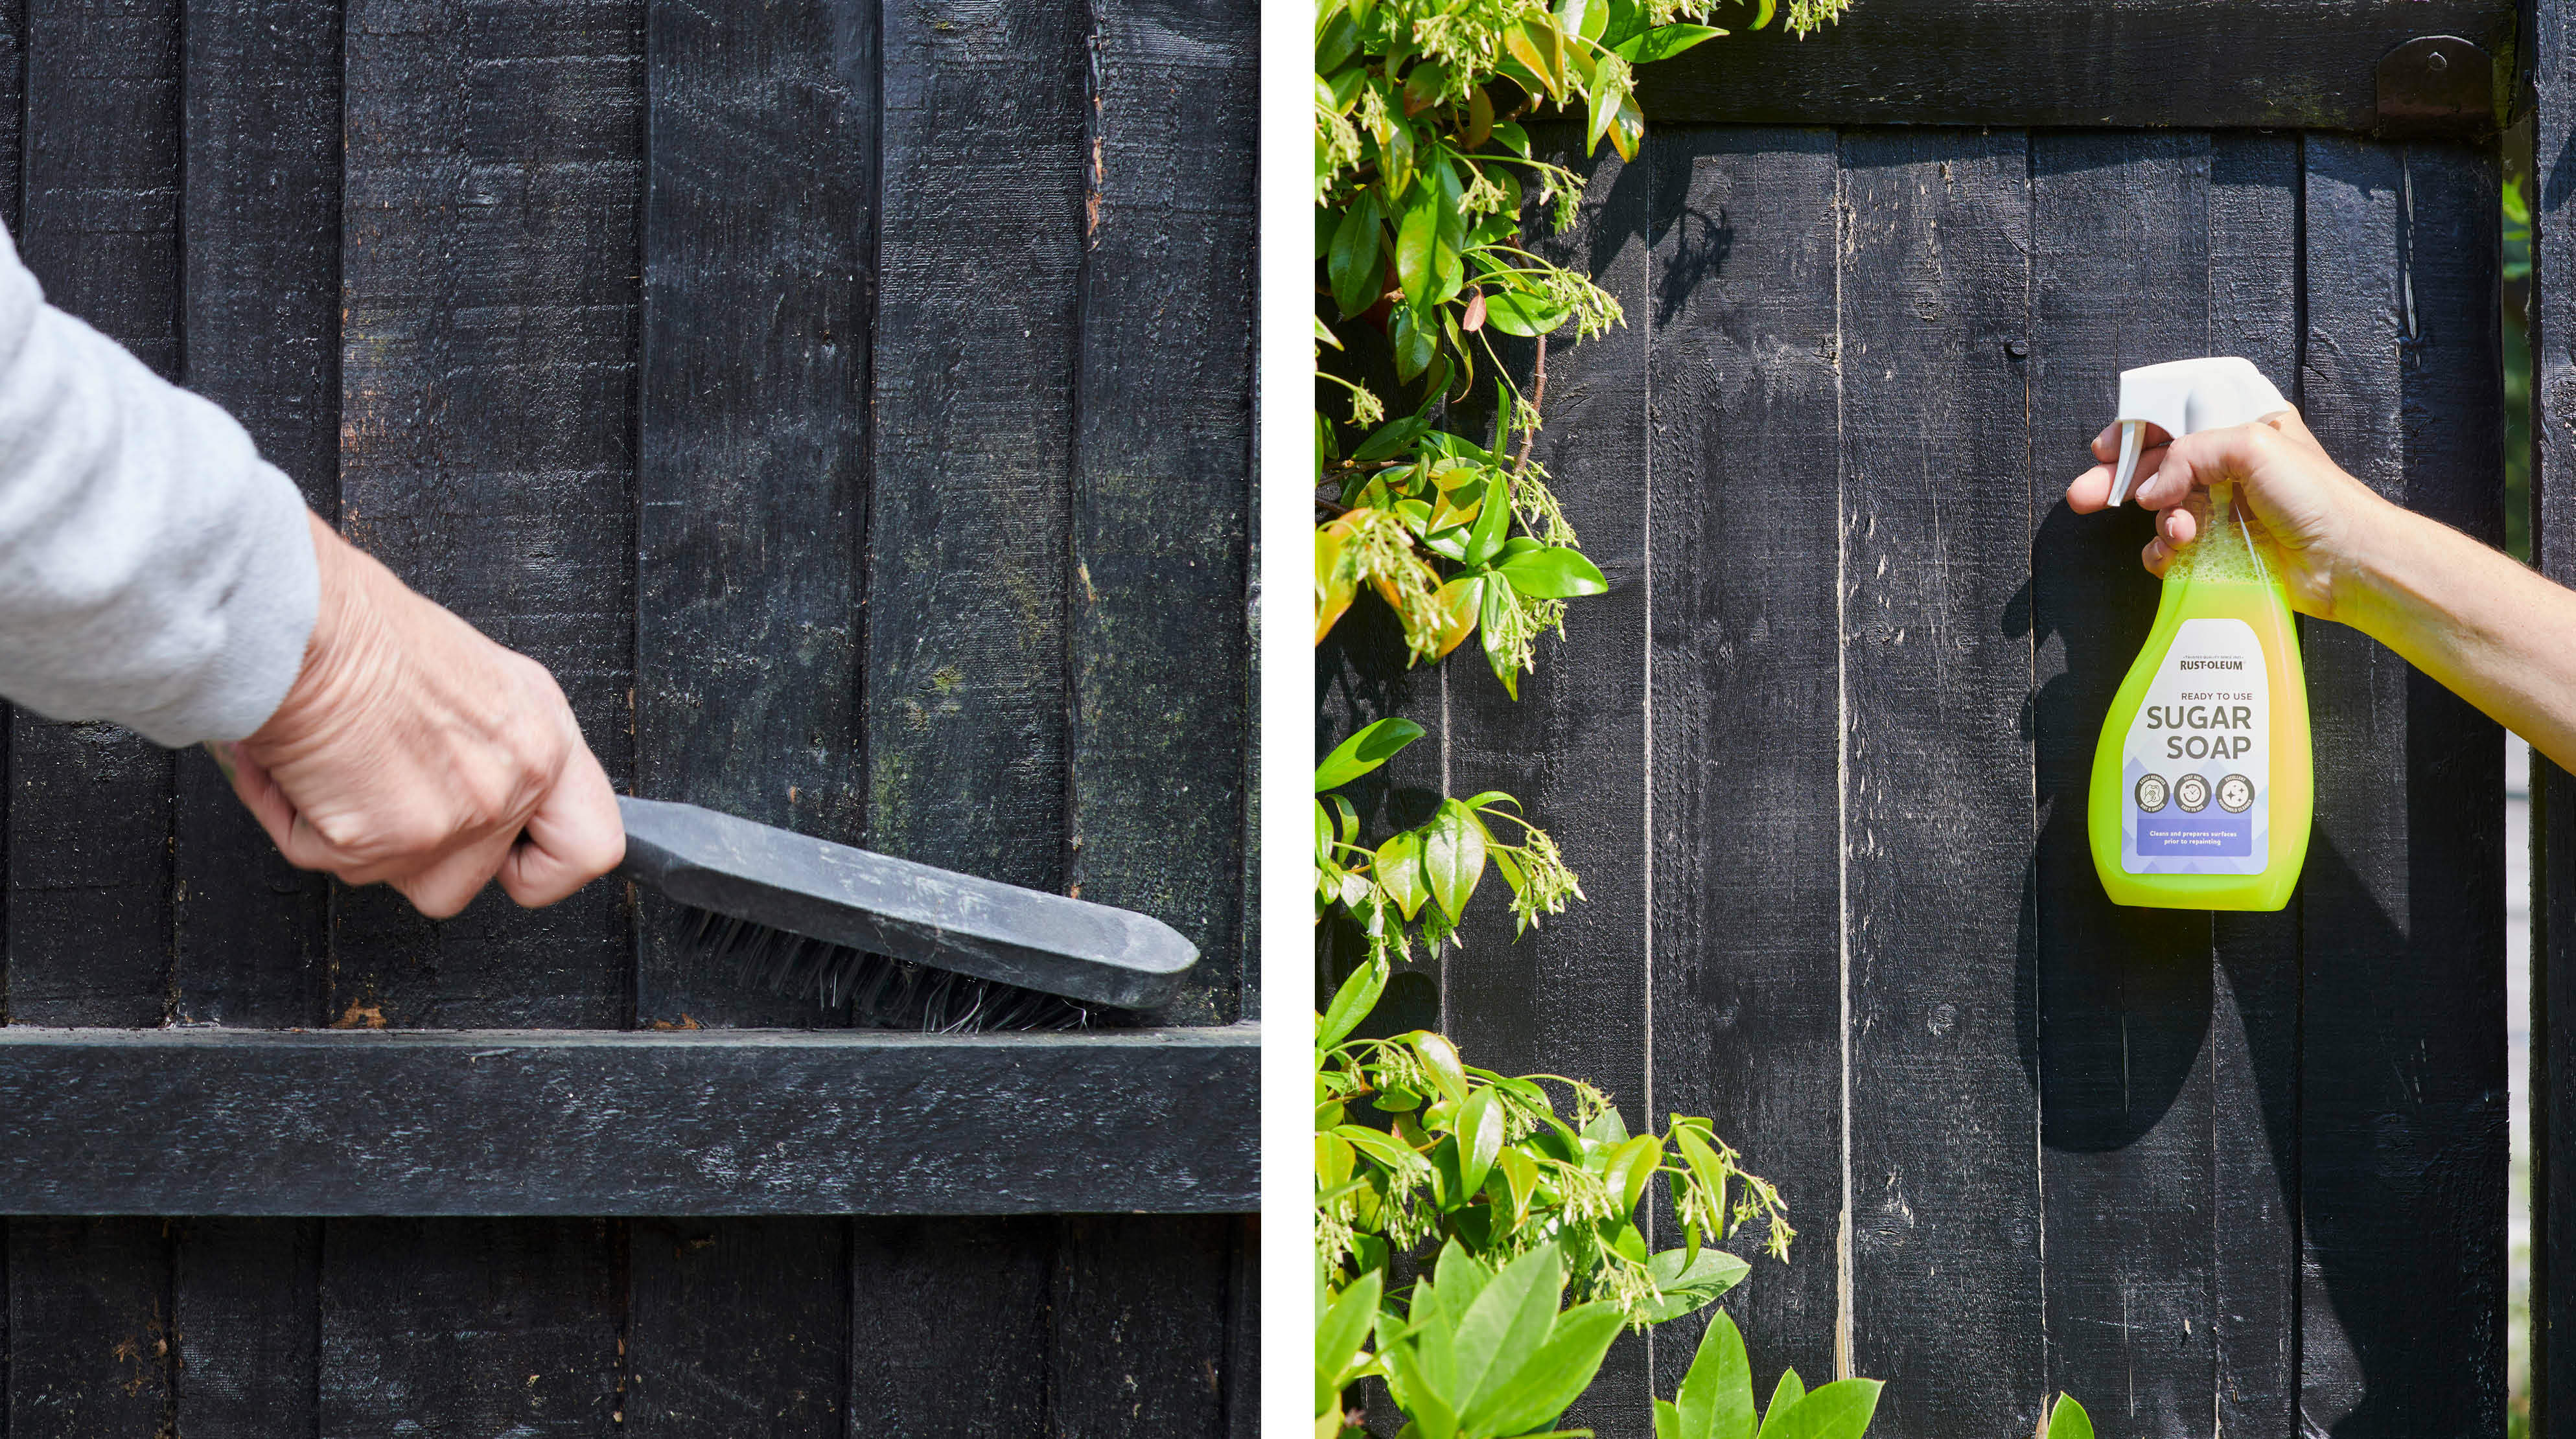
1522, 312
1365, 751
2068, 1420
1390, 1154
1398, 871
1507, 1324
1553, 572
1686, 1282
1453, 856
1840, 1410
1489, 620
1668, 1421
1323, 833
1395, 160
1763, 16
1339, 1332
1514, 138
1572, 16
1357, 262
1631, 1165
1416, 238
1625, 20
1664, 42
1440, 1058
1607, 1128
1480, 1138
1605, 108
1334, 43
1716, 1398
1392, 438
1415, 348
1783, 1399
1352, 1003
1561, 1369
1492, 523
1346, 820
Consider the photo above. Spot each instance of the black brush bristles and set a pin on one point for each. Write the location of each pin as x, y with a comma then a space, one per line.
881, 993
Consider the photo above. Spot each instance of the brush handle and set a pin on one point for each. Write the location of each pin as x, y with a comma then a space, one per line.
882, 905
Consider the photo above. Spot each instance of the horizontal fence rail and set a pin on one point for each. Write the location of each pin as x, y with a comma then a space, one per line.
567, 1122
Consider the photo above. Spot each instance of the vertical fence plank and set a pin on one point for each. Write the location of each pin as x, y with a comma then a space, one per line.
493, 1326
89, 814
89, 1328
979, 256
1569, 997
261, 306
1141, 1317
2121, 278
88, 917
2553, 790
1161, 500
490, 263
1944, 1267
1746, 479
980, 233
2402, 1131
2254, 1019
739, 1326
949, 1327
247, 1337
487, 373
751, 480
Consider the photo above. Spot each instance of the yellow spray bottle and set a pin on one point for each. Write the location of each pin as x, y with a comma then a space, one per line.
2202, 791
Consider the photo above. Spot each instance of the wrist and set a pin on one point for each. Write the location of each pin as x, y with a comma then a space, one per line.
342, 626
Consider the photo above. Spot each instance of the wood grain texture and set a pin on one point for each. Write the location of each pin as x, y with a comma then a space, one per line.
1140, 1310
489, 263
1746, 473
260, 336
980, 1370
738, 1326
979, 255
1162, 491
243, 1305
491, 1326
2553, 791
2254, 311
2285, 64
2403, 1087
751, 480
1944, 1204
89, 1328
88, 918
2124, 997
1569, 996
500, 1122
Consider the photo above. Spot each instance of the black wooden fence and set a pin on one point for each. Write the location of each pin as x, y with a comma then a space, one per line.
850, 402
1820, 754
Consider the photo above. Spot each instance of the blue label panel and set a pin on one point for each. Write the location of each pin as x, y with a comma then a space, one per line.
2212, 833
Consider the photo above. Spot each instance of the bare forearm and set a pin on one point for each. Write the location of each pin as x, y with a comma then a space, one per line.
2490, 630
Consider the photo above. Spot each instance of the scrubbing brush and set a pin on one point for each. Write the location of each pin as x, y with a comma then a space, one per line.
905, 945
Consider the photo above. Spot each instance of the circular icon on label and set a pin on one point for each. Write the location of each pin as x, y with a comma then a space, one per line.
2192, 793
2153, 792
2234, 793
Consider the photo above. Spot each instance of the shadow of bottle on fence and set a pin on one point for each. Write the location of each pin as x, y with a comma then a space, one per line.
2113, 1004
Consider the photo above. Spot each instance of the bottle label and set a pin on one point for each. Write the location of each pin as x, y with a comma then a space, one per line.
2196, 768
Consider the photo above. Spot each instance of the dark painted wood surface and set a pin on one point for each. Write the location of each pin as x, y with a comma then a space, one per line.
562, 1122
831, 394
2033, 1142
2305, 64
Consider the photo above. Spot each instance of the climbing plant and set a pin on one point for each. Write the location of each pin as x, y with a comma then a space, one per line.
1458, 1207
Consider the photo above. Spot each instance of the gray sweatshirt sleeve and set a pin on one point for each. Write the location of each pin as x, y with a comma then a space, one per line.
154, 571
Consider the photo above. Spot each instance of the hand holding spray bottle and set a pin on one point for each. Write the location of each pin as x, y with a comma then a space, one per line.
2202, 790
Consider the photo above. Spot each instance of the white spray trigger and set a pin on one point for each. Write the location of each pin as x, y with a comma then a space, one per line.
2184, 397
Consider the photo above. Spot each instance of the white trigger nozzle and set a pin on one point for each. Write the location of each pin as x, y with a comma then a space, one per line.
2130, 433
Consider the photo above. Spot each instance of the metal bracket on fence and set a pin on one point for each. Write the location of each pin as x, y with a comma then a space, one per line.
2437, 87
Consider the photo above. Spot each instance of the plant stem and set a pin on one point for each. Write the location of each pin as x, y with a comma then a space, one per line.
1538, 397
